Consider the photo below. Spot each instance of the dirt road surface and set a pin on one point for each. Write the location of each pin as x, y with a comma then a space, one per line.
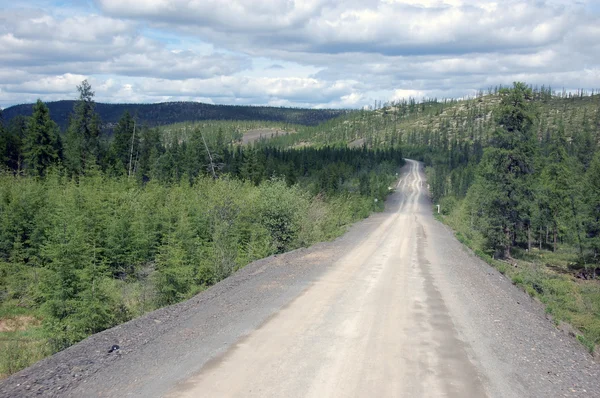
394, 308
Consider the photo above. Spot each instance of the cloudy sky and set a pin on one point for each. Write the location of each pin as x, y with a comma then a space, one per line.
311, 53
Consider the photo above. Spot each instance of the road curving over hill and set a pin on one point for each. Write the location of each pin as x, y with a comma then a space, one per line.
395, 307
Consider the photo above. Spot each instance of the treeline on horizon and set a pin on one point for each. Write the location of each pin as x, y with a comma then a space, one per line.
94, 232
166, 113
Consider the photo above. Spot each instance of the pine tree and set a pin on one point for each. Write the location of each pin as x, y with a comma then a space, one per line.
584, 145
82, 146
42, 141
556, 183
147, 157
503, 189
173, 276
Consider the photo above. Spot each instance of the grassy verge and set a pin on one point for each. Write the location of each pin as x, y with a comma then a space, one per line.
22, 341
546, 276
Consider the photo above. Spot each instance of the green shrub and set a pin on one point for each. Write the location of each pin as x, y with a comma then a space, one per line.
448, 204
280, 211
590, 345
517, 279
96, 250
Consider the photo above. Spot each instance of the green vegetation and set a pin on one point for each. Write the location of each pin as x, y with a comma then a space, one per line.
96, 232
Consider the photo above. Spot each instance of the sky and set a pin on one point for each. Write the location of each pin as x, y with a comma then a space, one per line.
301, 53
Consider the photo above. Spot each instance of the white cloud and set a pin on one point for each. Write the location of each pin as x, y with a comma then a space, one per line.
47, 85
401, 94
231, 15
341, 53
387, 27
295, 90
39, 43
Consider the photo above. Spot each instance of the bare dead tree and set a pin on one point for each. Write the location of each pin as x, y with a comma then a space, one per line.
212, 165
131, 149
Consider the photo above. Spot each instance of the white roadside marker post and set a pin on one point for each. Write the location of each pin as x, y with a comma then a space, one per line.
438, 208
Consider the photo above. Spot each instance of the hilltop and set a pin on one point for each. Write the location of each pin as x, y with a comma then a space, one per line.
433, 122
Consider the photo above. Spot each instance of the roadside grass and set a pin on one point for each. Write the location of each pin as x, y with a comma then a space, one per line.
22, 340
21, 349
546, 276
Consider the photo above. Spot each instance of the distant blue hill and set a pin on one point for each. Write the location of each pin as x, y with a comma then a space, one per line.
176, 112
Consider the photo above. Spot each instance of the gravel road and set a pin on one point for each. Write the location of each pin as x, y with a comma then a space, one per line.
395, 307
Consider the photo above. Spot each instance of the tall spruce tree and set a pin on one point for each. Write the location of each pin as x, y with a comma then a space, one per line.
42, 142
503, 191
556, 182
82, 146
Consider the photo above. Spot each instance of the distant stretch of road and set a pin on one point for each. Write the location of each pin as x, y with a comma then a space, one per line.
394, 308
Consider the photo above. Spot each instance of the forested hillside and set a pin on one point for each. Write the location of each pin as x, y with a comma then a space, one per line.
96, 231
176, 112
